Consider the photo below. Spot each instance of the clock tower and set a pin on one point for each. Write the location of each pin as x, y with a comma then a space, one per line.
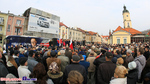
126, 18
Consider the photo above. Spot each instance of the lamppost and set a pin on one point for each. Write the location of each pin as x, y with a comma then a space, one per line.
41, 33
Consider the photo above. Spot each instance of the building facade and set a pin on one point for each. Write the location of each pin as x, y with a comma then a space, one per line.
3, 25
126, 18
15, 25
63, 31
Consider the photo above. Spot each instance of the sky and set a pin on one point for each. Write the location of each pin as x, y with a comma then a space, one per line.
92, 15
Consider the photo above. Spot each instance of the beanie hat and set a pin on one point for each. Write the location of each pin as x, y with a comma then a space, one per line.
22, 60
120, 60
132, 65
75, 58
53, 53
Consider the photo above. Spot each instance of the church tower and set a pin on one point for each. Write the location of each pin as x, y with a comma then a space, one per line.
126, 18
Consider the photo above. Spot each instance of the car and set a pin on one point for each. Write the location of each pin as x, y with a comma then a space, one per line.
43, 22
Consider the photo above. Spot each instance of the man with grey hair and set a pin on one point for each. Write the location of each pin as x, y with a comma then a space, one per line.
129, 57
64, 60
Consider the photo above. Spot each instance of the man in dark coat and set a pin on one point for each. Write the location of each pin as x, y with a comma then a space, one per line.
68, 54
146, 53
75, 66
106, 69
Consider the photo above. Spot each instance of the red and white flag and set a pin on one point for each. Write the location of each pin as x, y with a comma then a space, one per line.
71, 45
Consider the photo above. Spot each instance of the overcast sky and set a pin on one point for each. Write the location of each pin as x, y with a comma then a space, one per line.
92, 15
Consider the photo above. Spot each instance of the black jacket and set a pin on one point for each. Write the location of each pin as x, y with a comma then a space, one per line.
132, 76
75, 66
13, 70
106, 72
146, 54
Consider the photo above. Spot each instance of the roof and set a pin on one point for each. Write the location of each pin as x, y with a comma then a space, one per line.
62, 24
130, 30
104, 36
92, 33
148, 33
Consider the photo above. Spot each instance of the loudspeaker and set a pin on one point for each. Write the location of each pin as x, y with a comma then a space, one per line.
54, 41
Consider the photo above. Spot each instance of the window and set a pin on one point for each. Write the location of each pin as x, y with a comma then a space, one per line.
127, 15
0, 28
118, 40
128, 25
1, 39
17, 30
18, 22
8, 29
1, 20
125, 41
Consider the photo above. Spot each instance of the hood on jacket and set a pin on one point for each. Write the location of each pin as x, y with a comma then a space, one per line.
9, 64
119, 81
14, 56
141, 59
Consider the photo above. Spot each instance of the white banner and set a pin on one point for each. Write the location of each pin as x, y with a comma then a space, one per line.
41, 24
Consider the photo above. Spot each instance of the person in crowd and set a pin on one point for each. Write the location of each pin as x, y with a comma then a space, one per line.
123, 51
116, 56
39, 72
129, 57
108, 68
31, 60
68, 54
75, 77
140, 62
91, 69
147, 78
99, 60
120, 61
16, 57
64, 60
55, 74
53, 59
146, 53
3, 69
38, 57
120, 75
81, 52
132, 73
135, 52
146, 70
49, 49
12, 66
23, 68
75, 66
3, 56
21, 54
84, 63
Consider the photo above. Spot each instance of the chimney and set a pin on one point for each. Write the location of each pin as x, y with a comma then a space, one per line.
8, 11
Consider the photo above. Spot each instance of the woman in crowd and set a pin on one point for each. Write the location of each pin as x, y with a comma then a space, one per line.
120, 75
39, 72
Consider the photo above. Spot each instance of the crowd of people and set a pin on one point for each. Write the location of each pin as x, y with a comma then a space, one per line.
85, 64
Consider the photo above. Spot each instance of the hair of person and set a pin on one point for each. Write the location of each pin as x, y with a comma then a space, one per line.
49, 53
39, 72
1, 50
31, 53
12, 60
118, 52
129, 51
91, 54
67, 48
81, 57
75, 77
62, 52
141, 50
121, 71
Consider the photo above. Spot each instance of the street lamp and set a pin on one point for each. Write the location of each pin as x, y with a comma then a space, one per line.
41, 33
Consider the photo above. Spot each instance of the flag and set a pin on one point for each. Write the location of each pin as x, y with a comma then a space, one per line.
71, 45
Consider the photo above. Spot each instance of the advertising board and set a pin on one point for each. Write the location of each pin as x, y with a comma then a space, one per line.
42, 24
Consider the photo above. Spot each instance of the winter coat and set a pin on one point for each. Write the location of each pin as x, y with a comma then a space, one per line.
31, 63
64, 62
105, 72
23, 71
146, 54
3, 71
119, 81
132, 76
69, 55
91, 59
75, 66
140, 62
21, 55
12, 69
128, 59
85, 64
16, 59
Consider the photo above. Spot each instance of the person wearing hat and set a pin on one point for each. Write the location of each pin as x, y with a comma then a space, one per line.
75, 66
132, 73
146, 53
53, 59
23, 68
49, 49
108, 68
